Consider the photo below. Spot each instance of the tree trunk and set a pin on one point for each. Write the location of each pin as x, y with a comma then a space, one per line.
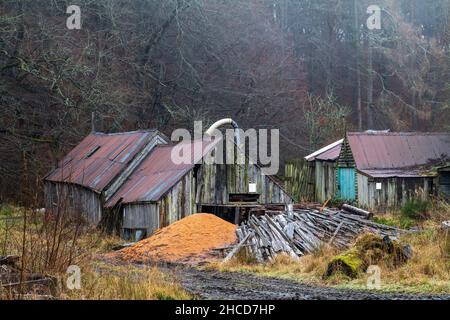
370, 86
358, 71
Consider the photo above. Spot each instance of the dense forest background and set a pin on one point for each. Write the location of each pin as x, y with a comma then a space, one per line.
308, 67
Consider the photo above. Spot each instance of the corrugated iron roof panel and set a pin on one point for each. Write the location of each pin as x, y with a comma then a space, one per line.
398, 150
329, 152
99, 158
158, 173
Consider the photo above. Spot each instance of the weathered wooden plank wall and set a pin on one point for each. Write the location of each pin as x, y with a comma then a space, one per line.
141, 216
325, 184
216, 181
175, 205
346, 156
394, 192
300, 179
73, 199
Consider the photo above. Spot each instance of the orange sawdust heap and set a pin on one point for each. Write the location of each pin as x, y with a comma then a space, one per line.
189, 240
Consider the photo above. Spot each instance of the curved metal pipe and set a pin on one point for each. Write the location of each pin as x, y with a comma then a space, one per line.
222, 122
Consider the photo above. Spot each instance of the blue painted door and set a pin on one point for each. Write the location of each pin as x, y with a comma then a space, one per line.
346, 180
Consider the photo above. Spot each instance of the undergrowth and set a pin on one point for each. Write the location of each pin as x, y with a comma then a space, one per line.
49, 244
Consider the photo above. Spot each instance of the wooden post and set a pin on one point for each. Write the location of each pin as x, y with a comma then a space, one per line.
93, 121
236, 249
237, 215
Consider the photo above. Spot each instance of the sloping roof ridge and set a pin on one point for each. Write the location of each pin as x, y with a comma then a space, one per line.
167, 145
124, 132
400, 133
132, 166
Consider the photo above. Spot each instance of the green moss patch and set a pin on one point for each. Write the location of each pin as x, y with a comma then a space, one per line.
349, 263
369, 249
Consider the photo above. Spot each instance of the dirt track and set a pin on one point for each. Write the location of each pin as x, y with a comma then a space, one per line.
229, 286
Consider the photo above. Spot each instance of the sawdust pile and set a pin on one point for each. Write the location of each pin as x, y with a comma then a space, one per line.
188, 241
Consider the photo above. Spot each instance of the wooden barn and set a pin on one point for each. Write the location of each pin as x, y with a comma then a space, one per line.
381, 170
148, 190
88, 172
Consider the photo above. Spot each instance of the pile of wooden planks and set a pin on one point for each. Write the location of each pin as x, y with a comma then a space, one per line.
302, 231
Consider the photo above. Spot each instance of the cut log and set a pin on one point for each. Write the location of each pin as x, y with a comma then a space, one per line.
358, 211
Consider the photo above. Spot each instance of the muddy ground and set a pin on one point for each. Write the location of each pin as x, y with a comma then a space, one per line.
207, 284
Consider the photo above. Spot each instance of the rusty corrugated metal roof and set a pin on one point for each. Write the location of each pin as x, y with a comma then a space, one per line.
403, 150
158, 173
99, 158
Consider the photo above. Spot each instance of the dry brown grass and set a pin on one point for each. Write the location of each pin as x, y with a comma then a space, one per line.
429, 268
106, 282
49, 247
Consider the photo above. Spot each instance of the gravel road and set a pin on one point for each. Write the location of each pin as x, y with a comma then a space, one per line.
207, 284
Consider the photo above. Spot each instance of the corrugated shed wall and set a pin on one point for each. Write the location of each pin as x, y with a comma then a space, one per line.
216, 182
175, 205
141, 216
74, 199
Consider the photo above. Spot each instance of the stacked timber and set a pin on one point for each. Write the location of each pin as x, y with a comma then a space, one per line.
303, 231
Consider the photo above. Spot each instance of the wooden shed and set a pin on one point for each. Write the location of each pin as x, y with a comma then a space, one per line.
386, 169
382, 170
86, 174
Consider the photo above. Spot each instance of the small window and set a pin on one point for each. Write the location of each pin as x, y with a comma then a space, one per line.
91, 153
